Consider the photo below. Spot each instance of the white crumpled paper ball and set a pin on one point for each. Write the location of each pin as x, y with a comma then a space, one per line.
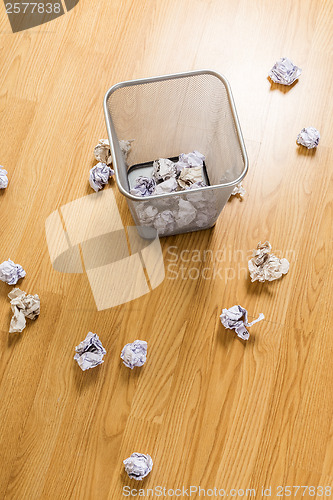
265, 266
102, 152
134, 354
163, 169
164, 221
138, 466
236, 318
146, 212
23, 306
168, 186
194, 159
308, 137
10, 272
284, 72
189, 176
186, 213
90, 352
3, 178
238, 190
99, 176
126, 147
144, 186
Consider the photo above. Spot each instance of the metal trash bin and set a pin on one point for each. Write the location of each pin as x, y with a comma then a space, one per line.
166, 116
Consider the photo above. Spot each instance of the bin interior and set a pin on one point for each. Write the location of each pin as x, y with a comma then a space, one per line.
166, 117
146, 170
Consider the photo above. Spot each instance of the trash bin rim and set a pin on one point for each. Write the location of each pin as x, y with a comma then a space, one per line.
173, 76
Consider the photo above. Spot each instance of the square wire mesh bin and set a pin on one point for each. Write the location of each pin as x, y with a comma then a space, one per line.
166, 116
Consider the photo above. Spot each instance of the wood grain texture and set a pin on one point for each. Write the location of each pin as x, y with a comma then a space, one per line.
209, 409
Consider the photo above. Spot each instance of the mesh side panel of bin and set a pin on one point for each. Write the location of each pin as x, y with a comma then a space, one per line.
166, 117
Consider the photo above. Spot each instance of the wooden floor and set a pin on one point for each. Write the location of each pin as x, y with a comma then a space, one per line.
211, 410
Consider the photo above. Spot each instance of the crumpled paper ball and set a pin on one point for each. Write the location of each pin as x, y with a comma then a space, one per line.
102, 152
138, 466
232, 319
186, 213
134, 354
284, 71
189, 176
204, 218
3, 178
90, 352
23, 306
308, 137
99, 176
164, 221
167, 186
10, 272
238, 190
194, 159
265, 266
126, 147
163, 169
146, 212
144, 186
